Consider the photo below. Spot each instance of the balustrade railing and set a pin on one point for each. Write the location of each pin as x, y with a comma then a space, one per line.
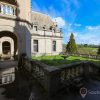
85, 56
53, 78
7, 9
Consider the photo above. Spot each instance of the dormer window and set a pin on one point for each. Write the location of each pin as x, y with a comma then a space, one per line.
54, 30
51, 28
35, 28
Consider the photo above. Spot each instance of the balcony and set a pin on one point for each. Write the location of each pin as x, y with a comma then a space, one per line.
13, 2
7, 9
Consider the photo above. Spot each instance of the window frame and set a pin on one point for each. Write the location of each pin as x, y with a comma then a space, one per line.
54, 45
35, 28
36, 46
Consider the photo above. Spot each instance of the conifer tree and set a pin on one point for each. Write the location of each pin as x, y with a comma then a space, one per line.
71, 46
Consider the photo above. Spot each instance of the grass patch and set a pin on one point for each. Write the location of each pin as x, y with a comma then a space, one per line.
58, 60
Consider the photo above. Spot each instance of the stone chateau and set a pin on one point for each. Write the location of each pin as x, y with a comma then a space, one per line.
23, 31
20, 27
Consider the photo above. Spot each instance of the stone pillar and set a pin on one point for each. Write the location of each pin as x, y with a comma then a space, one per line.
52, 82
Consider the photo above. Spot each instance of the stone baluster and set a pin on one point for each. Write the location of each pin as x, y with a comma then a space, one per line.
14, 11
6, 9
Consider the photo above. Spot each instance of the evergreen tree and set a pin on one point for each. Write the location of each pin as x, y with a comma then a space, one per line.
98, 52
71, 46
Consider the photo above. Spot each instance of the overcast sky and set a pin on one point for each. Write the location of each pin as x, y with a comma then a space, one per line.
81, 17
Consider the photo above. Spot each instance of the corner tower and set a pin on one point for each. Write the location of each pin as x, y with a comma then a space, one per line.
15, 25
24, 9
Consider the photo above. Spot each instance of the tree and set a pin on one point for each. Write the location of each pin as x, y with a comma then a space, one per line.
98, 52
71, 46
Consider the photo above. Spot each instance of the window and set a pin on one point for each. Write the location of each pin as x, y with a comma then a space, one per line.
35, 45
35, 28
4, 79
54, 45
9, 78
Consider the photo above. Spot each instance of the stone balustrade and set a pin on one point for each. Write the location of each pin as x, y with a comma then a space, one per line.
7, 9
53, 78
85, 56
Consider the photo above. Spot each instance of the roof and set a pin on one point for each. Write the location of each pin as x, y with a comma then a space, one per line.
8, 64
41, 19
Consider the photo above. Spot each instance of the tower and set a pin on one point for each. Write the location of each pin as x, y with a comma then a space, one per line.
24, 11
15, 24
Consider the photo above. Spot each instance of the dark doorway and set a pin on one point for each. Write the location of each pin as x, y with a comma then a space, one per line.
6, 47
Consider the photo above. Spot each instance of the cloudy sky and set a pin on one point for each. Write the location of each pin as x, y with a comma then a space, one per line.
81, 17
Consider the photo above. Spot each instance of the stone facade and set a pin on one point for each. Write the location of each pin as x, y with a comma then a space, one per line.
45, 31
24, 31
8, 75
7, 71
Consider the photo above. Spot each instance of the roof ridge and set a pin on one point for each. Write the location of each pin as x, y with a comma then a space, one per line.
40, 13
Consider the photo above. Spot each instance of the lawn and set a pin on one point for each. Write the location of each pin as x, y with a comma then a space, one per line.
58, 60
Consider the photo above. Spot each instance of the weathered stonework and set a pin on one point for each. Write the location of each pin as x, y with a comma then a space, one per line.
18, 23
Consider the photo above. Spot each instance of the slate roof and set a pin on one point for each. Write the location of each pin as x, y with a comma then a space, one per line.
41, 19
